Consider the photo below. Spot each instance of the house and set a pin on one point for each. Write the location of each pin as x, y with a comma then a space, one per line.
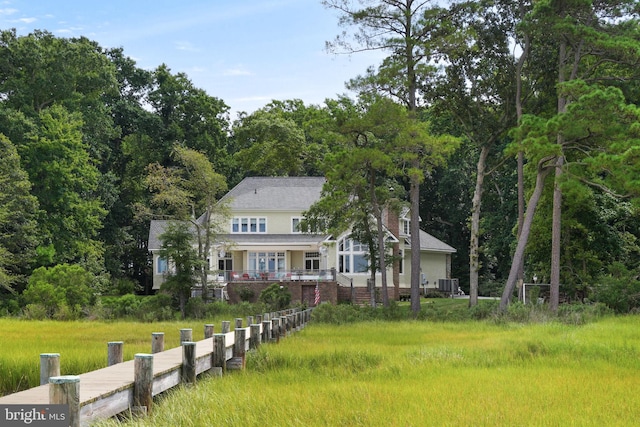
264, 244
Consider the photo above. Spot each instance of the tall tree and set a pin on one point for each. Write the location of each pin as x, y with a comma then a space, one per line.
182, 193
65, 181
177, 248
595, 43
476, 89
18, 213
402, 29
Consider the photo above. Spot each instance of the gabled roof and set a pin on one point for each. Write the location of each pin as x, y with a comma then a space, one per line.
431, 244
157, 229
275, 193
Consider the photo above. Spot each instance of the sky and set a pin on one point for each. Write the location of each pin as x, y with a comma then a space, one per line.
245, 52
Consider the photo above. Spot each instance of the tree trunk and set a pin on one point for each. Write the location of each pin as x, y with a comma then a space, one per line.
414, 196
518, 256
556, 221
519, 112
556, 228
377, 211
474, 246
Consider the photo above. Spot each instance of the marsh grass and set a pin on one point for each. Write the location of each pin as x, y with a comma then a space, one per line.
82, 345
425, 373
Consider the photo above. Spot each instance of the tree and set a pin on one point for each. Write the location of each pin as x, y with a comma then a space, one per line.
60, 286
189, 117
181, 193
65, 181
271, 144
363, 171
476, 89
178, 250
596, 46
18, 214
400, 28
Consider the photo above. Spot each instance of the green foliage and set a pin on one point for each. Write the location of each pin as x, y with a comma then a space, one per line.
18, 213
275, 297
246, 294
177, 247
619, 290
59, 290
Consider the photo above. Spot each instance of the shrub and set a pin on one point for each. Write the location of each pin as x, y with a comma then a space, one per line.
246, 294
276, 297
619, 291
56, 287
156, 308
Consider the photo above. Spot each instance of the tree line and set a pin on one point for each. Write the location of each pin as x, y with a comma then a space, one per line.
509, 127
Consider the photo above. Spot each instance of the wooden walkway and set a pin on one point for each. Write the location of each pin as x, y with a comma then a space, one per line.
109, 391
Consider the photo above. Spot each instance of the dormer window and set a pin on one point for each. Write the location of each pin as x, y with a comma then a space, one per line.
406, 227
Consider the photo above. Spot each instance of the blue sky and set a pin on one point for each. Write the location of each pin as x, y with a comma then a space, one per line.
246, 52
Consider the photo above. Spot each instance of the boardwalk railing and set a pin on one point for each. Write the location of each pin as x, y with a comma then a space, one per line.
130, 386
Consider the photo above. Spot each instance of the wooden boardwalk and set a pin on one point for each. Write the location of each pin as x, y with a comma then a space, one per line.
109, 391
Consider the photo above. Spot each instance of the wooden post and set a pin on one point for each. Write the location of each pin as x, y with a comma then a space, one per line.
259, 318
238, 323
254, 336
275, 329
266, 331
249, 320
220, 351
143, 383
226, 326
238, 361
65, 390
186, 335
208, 330
114, 352
49, 367
157, 342
189, 362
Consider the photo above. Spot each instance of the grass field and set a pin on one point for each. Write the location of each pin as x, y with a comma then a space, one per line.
82, 345
425, 373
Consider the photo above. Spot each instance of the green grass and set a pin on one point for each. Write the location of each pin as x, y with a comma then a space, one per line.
425, 373
82, 345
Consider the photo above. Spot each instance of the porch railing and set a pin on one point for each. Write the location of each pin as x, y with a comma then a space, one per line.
280, 275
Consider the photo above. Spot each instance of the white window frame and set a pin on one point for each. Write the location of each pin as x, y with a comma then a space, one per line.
249, 225
295, 224
162, 265
406, 226
351, 251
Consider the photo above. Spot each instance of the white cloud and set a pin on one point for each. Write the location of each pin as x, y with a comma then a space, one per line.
186, 46
8, 11
237, 71
27, 20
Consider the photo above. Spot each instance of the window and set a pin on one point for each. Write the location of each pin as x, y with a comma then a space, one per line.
266, 261
312, 261
406, 227
248, 225
352, 256
295, 225
161, 266
225, 263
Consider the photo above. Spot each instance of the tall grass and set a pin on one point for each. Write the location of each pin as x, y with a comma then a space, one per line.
82, 345
424, 373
